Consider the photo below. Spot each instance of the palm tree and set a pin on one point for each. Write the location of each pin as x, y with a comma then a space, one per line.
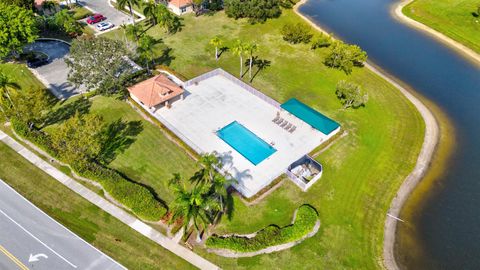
251, 49
122, 3
149, 10
145, 49
192, 206
49, 5
217, 42
238, 49
8, 88
132, 31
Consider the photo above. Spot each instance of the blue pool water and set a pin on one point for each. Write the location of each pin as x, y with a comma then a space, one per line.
310, 116
245, 142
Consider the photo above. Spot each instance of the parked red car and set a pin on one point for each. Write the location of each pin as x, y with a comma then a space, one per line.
95, 18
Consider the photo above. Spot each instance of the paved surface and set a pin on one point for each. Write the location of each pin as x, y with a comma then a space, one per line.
108, 207
216, 102
54, 74
113, 15
39, 242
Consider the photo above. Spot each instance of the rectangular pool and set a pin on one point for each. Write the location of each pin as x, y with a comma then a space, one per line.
246, 142
310, 116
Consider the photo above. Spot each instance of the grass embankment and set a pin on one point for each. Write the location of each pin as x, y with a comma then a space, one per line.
95, 226
456, 19
363, 170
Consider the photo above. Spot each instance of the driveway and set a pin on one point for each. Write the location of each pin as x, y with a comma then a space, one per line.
54, 74
103, 7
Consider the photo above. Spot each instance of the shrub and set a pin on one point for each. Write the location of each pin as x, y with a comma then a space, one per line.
255, 10
80, 12
296, 33
272, 235
134, 196
350, 94
321, 41
344, 56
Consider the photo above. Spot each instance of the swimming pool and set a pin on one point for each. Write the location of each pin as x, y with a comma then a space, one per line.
310, 116
245, 142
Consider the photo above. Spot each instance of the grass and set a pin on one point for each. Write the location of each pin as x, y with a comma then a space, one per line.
95, 226
456, 19
151, 158
21, 75
363, 170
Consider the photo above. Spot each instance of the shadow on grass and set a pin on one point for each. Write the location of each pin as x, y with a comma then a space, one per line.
82, 106
166, 58
118, 136
261, 64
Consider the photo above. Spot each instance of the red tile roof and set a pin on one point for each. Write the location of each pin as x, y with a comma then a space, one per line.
155, 90
180, 3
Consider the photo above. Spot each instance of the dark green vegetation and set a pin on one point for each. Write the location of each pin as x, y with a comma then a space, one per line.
272, 235
297, 33
17, 28
256, 10
458, 19
363, 170
95, 226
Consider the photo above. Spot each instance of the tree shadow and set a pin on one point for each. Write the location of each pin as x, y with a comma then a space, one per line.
166, 58
475, 14
230, 205
222, 50
261, 64
82, 106
118, 136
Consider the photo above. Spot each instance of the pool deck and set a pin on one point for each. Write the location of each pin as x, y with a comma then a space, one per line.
216, 102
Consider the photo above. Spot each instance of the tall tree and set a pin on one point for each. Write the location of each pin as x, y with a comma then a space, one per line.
145, 49
79, 139
239, 49
129, 3
32, 105
216, 42
351, 94
344, 56
8, 89
251, 48
17, 28
67, 23
192, 206
149, 10
98, 63
26, 4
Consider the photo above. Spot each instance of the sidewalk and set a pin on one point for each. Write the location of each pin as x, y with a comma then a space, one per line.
108, 207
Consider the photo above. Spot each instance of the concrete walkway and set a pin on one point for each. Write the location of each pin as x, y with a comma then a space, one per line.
108, 207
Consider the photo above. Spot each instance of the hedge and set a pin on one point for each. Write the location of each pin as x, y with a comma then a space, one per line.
134, 196
272, 235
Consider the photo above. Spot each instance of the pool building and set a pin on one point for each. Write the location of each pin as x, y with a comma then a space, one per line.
257, 138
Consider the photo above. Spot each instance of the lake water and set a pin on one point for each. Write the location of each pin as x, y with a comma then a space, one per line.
448, 223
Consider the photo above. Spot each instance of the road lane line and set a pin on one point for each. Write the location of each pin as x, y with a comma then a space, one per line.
34, 237
13, 258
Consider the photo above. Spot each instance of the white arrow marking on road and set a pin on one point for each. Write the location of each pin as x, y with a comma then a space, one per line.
34, 237
34, 258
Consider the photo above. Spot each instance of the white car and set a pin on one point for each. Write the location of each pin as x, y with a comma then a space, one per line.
104, 26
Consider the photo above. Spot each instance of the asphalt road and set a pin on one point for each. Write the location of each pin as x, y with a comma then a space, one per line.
55, 73
30, 239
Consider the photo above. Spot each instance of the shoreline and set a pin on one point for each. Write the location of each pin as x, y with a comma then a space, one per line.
465, 51
431, 139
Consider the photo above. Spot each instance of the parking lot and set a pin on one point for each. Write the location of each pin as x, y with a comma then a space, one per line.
54, 74
103, 7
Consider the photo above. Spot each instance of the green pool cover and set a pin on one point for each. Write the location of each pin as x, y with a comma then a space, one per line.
310, 116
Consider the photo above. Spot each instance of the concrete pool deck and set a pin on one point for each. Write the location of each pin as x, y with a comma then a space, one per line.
214, 102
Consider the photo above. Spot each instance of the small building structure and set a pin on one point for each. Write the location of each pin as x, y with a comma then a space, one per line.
180, 7
156, 91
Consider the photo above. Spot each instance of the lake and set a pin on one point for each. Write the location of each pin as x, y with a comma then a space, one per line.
447, 224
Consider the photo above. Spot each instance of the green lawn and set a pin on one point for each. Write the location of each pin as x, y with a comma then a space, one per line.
21, 75
151, 158
85, 219
362, 170
454, 18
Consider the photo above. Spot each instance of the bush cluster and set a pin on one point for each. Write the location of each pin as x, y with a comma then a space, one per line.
134, 196
255, 10
296, 33
272, 235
